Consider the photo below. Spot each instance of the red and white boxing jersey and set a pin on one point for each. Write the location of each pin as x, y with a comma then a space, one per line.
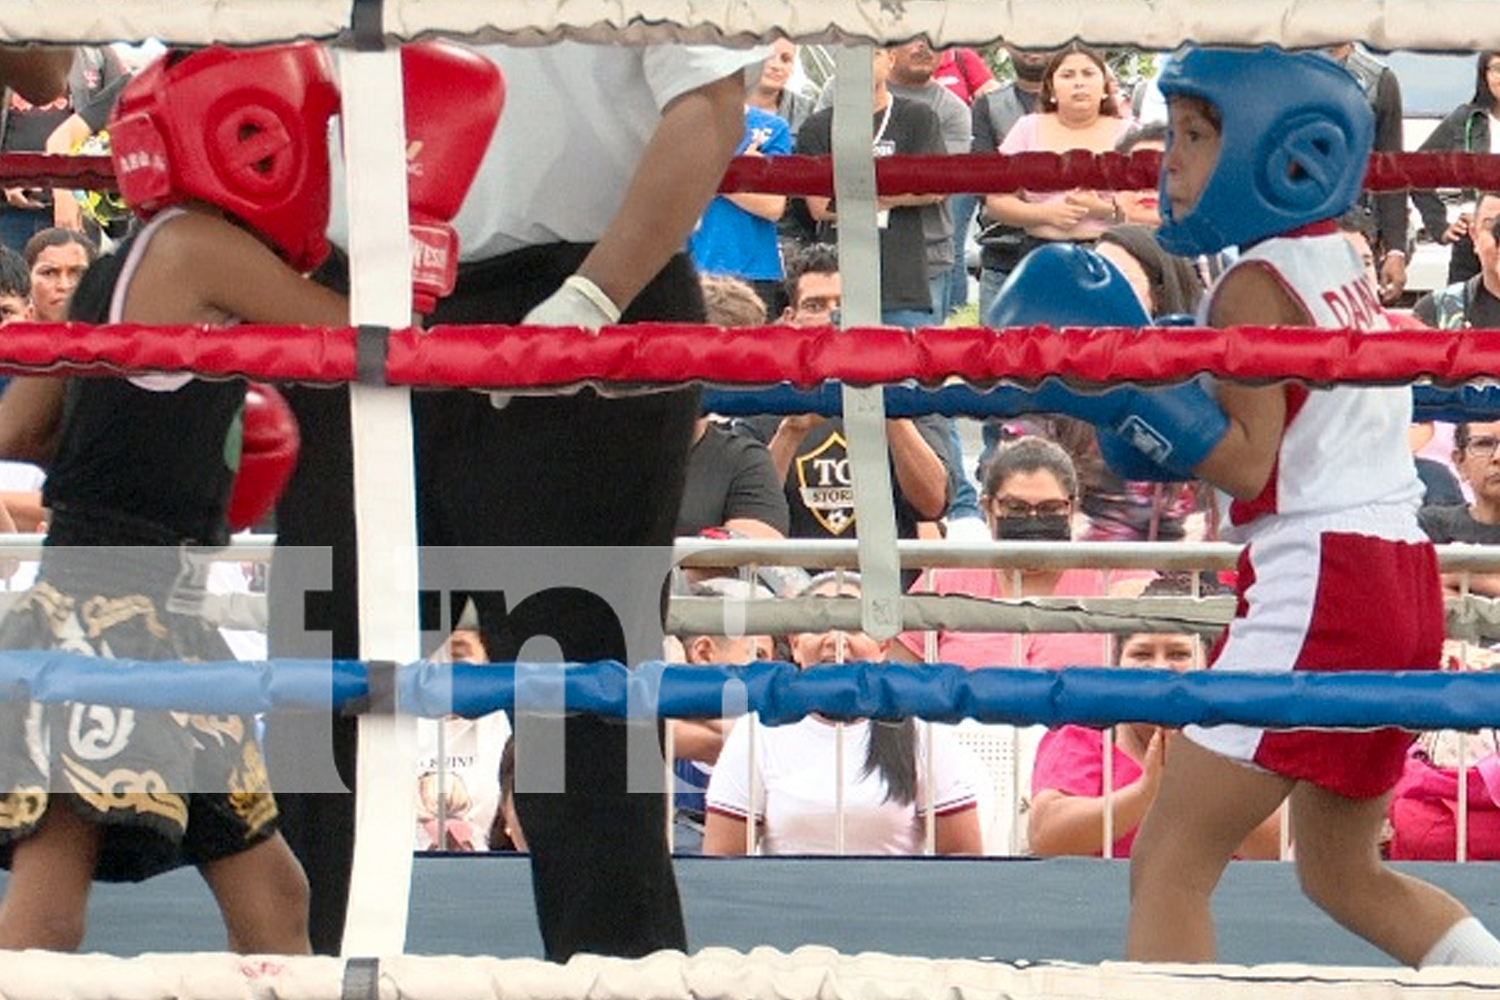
1344, 450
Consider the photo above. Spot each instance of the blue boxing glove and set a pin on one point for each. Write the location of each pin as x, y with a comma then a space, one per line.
1130, 464
1172, 429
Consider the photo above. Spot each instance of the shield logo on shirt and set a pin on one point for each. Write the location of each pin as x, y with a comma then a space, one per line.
825, 486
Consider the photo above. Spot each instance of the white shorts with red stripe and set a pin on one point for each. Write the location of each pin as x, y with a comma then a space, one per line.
1315, 595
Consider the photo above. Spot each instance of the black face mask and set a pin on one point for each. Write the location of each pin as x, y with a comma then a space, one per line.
1045, 528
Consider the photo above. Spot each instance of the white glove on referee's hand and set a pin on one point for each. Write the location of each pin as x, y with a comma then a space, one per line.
579, 302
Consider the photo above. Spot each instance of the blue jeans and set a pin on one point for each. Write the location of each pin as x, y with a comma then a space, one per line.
963, 497
908, 319
964, 206
687, 833
937, 288
17, 225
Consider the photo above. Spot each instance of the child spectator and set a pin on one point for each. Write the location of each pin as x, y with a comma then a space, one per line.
731, 482
697, 743
20, 482
57, 259
1425, 807
458, 762
15, 288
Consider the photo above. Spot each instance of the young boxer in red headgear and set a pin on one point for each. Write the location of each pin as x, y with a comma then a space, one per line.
223, 155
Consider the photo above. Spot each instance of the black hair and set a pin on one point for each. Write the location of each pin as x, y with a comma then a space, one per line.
1175, 287
1177, 583
1483, 96
500, 838
15, 276
1137, 134
1031, 453
892, 748
1180, 583
1359, 219
893, 752
1108, 105
816, 258
57, 236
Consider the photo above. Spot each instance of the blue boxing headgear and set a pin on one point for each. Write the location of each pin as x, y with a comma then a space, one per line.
1061, 284
1297, 131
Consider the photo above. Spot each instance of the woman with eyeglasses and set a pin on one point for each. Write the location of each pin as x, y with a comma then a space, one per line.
1030, 495
792, 781
1477, 522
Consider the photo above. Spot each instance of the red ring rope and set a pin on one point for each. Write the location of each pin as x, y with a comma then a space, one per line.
665, 355
1077, 168
907, 174
660, 354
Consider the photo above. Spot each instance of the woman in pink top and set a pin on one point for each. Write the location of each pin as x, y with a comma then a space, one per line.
1068, 790
1068, 799
1078, 111
1030, 494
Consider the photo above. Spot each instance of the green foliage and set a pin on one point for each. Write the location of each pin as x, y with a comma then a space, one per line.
966, 316
1130, 66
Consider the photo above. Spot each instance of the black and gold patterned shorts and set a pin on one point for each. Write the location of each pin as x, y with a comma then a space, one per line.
169, 788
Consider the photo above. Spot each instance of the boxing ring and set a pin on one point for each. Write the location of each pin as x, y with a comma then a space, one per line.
382, 360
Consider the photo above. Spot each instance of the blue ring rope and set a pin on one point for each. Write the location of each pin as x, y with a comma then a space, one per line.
781, 692
1457, 404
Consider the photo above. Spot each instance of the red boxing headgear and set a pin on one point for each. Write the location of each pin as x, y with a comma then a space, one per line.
243, 129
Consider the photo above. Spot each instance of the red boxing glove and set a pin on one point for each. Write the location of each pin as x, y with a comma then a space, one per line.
268, 454
453, 98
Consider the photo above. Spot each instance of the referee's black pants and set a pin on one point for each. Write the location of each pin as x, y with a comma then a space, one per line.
578, 470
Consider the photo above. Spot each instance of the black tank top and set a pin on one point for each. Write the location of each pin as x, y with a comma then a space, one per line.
156, 457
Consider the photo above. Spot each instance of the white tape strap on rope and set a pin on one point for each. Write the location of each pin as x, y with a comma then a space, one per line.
385, 501
864, 409
1436, 25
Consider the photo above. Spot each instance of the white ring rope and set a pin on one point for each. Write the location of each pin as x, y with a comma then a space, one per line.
1435, 25
1469, 616
711, 974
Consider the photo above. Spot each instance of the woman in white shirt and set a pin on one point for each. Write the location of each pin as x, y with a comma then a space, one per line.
799, 784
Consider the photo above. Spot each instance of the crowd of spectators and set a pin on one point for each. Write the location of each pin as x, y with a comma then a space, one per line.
1062, 100
1038, 478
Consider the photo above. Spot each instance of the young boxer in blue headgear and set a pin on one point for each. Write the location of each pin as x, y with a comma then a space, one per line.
1266, 149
